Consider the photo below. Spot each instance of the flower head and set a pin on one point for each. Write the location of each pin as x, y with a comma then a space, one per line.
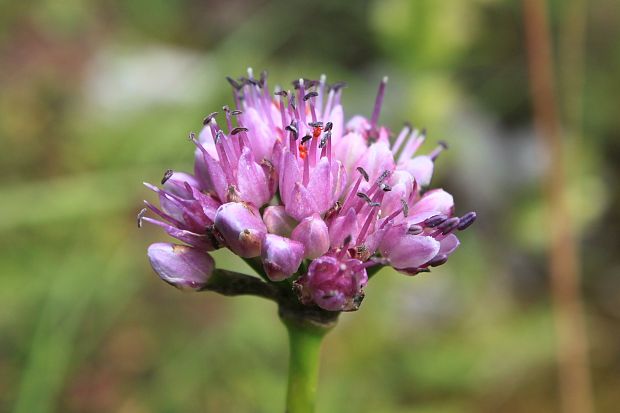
316, 199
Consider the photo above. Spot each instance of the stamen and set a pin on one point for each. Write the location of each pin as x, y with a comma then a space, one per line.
345, 246
236, 112
405, 207
236, 85
389, 218
262, 82
140, 216
321, 91
438, 260
350, 199
363, 172
306, 176
328, 127
364, 197
415, 140
292, 128
226, 110
415, 230
302, 103
218, 136
442, 146
281, 108
466, 220
337, 86
401, 138
382, 177
323, 142
378, 102
435, 220
209, 118
330, 102
371, 216
310, 95
167, 176
448, 226
162, 214
238, 130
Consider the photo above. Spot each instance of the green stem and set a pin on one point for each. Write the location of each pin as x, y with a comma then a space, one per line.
304, 354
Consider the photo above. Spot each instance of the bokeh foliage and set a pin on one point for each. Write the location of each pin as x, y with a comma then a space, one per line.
97, 96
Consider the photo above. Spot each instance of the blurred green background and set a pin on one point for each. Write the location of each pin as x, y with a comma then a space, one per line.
98, 95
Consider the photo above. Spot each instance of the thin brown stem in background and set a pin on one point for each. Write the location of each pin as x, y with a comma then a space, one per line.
572, 346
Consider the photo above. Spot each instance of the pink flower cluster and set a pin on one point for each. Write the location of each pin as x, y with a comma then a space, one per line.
284, 179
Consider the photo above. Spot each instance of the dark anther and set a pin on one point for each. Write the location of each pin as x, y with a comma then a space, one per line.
167, 176
226, 108
219, 135
236, 112
139, 217
435, 220
443, 144
296, 83
263, 78
415, 230
423, 132
238, 130
408, 125
316, 124
310, 95
292, 128
252, 82
306, 139
438, 260
363, 172
337, 86
209, 118
382, 177
385, 187
192, 136
308, 83
374, 204
466, 220
234, 83
364, 197
448, 225
328, 126
346, 242
281, 93
405, 207
326, 137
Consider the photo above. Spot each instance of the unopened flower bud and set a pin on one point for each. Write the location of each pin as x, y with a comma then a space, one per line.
313, 234
281, 256
242, 228
184, 267
277, 221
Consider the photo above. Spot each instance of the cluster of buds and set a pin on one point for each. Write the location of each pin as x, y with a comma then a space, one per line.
318, 202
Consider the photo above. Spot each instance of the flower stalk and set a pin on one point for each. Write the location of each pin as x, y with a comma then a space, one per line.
305, 341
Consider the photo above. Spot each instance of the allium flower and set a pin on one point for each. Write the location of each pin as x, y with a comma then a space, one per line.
317, 204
